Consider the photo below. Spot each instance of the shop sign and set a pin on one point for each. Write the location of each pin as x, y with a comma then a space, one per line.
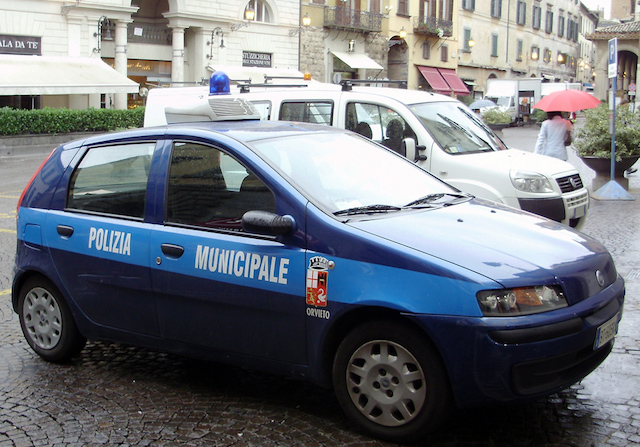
253, 59
20, 45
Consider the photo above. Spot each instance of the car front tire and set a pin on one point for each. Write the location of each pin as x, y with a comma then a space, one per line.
391, 382
46, 321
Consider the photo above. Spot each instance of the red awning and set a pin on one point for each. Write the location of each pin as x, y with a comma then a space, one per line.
435, 79
456, 84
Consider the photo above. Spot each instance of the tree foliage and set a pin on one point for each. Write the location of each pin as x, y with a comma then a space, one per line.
594, 137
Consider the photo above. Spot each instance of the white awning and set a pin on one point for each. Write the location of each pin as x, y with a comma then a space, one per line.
356, 60
48, 75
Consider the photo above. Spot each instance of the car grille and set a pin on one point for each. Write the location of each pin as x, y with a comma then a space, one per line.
582, 199
570, 183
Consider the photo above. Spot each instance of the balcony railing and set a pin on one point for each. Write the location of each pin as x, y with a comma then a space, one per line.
339, 17
432, 26
142, 33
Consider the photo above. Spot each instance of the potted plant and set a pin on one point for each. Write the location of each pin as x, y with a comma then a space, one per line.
593, 140
496, 119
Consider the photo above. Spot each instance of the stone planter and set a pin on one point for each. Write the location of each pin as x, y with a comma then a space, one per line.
602, 167
497, 128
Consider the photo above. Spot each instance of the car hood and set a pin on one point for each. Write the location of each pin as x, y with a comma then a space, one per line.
501, 243
519, 160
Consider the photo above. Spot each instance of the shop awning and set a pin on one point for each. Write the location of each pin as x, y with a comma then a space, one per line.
47, 75
444, 80
356, 60
435, 79
456, 84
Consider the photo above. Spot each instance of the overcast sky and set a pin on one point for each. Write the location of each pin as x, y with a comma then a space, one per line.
599, 4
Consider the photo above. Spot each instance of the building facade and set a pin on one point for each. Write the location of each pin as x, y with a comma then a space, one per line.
447, 46
153, 42
519, 38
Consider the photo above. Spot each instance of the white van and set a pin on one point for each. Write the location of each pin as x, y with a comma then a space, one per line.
438, 132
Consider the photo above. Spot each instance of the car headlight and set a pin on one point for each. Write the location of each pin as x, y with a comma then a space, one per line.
530, 182
520, 301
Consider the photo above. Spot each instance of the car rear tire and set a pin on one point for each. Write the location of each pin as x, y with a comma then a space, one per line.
46, 321
391, 382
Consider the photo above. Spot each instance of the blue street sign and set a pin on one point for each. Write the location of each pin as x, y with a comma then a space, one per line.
613, 58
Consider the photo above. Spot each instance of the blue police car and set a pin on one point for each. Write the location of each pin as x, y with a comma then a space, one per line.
312, 252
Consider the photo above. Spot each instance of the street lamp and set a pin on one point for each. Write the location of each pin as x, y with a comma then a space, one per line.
103, 22
249, 15
217, 31
306, 21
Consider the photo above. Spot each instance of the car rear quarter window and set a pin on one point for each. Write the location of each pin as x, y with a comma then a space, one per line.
112, 180
209, 188
317, 112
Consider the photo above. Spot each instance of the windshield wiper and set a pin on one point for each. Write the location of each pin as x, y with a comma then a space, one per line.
437, 198
470, 135
369, 209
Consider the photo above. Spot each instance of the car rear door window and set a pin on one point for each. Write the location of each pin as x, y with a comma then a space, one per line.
112, 180
209, 188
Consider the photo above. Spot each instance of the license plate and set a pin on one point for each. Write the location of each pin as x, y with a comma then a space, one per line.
579, 211
606, 332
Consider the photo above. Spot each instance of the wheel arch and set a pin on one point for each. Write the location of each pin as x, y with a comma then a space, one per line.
356, 317
18, 282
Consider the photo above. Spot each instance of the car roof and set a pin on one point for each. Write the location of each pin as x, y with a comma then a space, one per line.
403, 95
240, 130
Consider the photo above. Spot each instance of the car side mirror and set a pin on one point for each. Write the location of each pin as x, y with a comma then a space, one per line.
410, 150
270, 224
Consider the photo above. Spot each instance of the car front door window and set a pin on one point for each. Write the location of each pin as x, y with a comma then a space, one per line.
208, 188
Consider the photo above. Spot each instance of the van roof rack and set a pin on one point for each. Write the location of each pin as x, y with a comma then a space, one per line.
347, 84
246, 87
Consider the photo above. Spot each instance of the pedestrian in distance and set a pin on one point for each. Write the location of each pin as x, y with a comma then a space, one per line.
554, 136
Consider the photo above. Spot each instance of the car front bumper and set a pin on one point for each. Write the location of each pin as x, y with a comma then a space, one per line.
506, 359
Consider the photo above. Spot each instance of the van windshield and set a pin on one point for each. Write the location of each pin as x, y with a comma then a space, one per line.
456, 128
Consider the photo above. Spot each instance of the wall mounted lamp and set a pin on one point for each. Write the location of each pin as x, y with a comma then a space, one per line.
249, 16
306, 21
402, 33
471, 43
103, 22
535, 55
217, 31
561, 59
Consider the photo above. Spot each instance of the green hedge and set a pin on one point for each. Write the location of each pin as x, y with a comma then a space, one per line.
56, 121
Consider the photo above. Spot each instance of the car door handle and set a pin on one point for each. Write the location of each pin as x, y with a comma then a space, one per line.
172, 251
65, 230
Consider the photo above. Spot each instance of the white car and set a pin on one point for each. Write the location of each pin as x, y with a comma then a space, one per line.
439, 133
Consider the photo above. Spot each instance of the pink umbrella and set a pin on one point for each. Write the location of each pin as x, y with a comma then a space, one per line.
567, 101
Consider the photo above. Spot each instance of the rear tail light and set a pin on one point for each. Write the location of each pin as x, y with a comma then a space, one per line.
33, 177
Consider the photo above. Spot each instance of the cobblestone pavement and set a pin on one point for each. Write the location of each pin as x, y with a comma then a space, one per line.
119, 395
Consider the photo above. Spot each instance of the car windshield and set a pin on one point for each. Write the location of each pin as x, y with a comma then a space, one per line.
345, 174
456, 128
